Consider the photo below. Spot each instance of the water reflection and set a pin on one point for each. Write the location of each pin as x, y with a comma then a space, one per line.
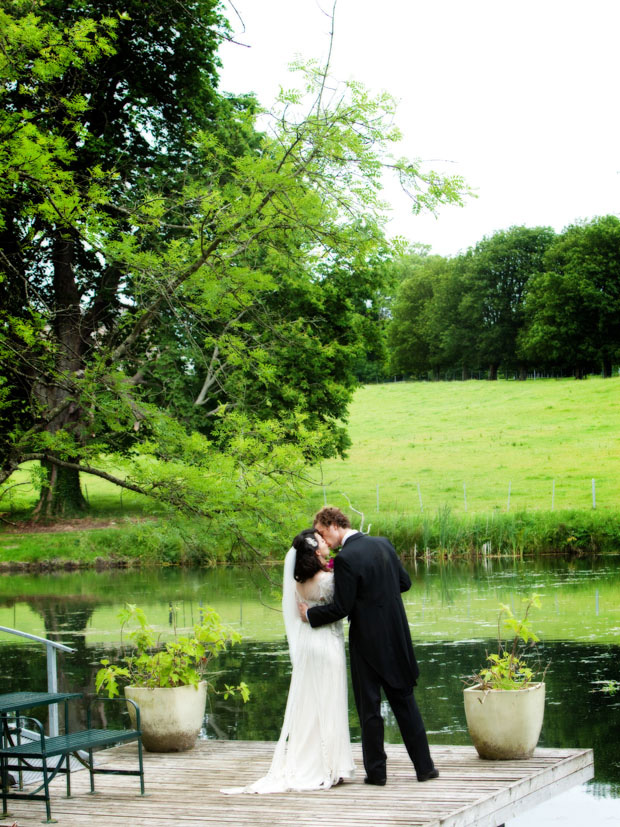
453, 601
452, 610
574, 716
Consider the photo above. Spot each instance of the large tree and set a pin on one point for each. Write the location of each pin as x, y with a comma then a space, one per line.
573, 305
561, 320
99, 108
185, 316
497, 272
412, 336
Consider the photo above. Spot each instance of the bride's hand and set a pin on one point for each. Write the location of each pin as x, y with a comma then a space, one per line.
303, 611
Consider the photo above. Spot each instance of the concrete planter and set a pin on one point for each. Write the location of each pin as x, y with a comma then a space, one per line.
505, 723
170, 718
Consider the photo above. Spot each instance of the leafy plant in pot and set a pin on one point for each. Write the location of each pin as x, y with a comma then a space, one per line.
167, 681
505, 700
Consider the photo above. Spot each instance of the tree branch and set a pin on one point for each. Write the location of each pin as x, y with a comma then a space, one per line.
85, 469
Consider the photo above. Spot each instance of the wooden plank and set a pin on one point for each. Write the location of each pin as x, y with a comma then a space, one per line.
527, 792
184, 789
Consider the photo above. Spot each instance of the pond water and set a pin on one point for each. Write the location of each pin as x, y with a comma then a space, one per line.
452, 610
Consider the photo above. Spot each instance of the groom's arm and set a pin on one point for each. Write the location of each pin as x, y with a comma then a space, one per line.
345, 589
404, 581
403, 578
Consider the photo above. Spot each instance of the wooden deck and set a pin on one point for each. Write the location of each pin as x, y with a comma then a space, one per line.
183, 789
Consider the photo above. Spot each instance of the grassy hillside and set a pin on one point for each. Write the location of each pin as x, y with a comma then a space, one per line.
442, 436
459, 447
468, 445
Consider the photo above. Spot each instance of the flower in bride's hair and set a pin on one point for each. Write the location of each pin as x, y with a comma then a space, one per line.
312, 542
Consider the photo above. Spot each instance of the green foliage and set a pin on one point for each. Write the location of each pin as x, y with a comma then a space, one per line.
507, 669
573, 304
183, 542
181, 662
443, 534
179, 285
523, 299
497, 272
418, 334
463, 315
609, 687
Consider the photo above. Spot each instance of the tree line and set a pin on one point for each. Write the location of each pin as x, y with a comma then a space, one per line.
523, 300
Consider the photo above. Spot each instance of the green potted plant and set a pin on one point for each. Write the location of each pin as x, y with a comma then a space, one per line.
505, 700
167, 681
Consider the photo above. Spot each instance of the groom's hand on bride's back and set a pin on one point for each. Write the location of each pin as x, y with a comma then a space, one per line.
303, 611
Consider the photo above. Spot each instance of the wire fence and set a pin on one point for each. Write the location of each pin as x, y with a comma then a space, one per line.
424, 499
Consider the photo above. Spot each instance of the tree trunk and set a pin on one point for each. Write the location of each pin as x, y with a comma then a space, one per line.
607, 367
522, 374
62, 495
493, 372
464, 374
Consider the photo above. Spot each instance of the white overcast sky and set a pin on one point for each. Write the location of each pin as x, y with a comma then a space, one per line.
521, 98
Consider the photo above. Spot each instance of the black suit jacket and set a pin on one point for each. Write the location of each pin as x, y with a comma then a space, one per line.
368, 581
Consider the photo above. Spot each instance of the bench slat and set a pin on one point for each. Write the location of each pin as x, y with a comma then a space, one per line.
74, 741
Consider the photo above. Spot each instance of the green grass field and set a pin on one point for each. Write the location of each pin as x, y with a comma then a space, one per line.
431, 466
465, 445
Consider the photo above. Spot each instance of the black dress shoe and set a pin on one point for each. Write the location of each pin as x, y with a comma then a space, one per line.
378, 782
434, 773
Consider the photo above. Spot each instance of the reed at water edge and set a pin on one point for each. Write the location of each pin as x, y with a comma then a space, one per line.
499, 534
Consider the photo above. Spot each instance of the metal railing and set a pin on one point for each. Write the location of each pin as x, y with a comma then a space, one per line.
52, 672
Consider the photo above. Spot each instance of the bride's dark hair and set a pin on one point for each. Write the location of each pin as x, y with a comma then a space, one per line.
306, 562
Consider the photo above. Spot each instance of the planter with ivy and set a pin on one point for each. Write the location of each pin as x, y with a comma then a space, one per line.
168, 681
505, 705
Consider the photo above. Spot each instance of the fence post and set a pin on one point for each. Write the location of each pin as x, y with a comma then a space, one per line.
420, 498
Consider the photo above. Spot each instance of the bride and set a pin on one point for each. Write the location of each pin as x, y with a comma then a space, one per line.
314, 749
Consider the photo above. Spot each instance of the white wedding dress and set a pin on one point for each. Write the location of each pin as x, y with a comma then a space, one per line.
314, 749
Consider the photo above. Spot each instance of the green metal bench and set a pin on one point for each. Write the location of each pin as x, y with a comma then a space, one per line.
45, 747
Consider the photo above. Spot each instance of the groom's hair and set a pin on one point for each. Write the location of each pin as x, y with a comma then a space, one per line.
332, 516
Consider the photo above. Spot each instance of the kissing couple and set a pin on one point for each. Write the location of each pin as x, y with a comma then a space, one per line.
314, 748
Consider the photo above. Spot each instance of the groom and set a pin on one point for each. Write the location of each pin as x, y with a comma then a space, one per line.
368, 581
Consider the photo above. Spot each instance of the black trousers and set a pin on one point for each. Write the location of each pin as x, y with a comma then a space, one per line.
367, 685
